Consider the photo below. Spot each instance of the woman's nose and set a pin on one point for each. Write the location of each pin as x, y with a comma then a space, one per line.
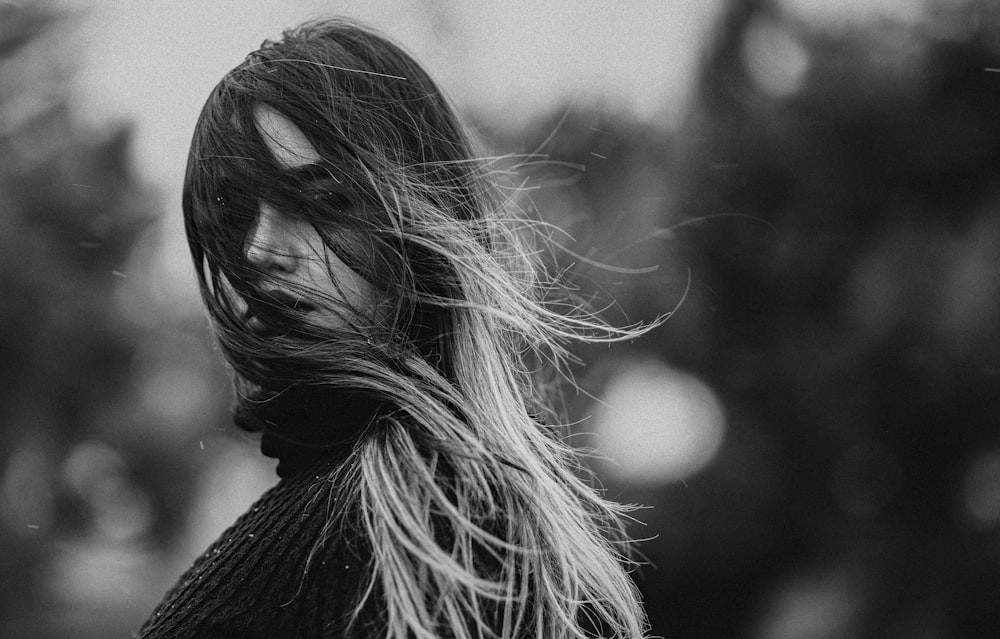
270, 244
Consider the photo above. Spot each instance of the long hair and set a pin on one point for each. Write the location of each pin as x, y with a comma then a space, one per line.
480, 519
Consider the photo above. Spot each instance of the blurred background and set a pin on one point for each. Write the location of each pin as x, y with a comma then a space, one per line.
810, 187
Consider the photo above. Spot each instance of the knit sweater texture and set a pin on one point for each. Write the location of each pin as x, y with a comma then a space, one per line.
280, 570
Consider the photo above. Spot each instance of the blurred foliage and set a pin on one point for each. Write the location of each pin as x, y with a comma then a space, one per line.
825, 228
71, 485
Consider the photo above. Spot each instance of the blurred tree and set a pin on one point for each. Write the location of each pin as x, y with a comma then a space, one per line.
70, 212
857, 327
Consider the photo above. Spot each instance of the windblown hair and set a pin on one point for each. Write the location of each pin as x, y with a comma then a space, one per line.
480, 519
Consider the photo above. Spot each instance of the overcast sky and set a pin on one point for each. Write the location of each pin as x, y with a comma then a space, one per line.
155, 62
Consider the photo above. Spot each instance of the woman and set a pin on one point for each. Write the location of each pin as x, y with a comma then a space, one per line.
387, 332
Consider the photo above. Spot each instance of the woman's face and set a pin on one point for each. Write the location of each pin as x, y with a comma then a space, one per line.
290, 252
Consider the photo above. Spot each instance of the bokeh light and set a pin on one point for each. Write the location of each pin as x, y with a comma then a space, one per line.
657, 424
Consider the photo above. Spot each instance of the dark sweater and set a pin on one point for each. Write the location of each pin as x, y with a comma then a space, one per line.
258, 579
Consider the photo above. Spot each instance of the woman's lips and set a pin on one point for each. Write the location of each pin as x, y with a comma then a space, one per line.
286, 301
274, 311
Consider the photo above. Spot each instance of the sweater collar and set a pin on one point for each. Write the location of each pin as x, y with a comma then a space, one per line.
303, 424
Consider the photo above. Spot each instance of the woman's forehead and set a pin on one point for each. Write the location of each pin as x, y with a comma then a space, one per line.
287, 143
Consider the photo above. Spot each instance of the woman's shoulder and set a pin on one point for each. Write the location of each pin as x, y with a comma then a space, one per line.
290, 566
